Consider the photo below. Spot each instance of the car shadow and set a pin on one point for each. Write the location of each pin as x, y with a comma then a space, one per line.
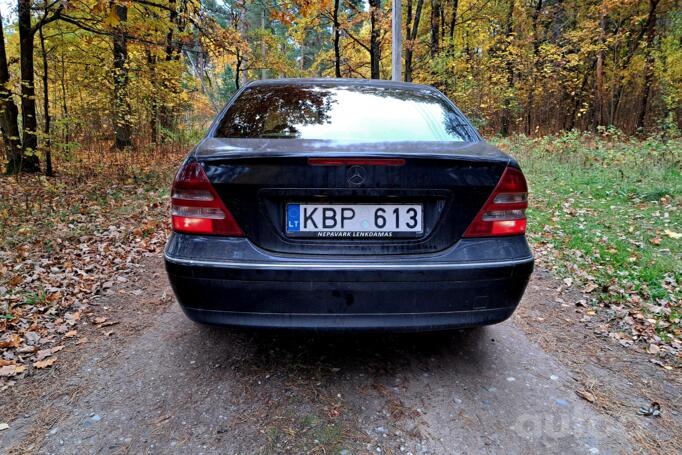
351, 352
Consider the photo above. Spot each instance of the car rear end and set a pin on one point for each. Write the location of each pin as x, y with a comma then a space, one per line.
308, 233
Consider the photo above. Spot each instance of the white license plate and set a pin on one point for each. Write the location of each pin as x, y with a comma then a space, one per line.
354, 220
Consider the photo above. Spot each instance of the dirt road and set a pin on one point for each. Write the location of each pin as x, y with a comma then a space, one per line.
161, 384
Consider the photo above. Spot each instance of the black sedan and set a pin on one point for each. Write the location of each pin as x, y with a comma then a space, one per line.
347, 205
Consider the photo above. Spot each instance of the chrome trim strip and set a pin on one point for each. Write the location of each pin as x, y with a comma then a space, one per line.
343, 265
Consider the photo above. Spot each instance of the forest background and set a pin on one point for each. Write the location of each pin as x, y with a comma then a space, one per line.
132, 73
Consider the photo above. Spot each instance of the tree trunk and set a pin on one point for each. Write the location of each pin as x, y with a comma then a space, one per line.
302, 54
122, 123
337, 35
628, 57
441, 11
9, 113
46, 108
241, 26
263, 45
453, 22
435, 22
599, 76
374, 45
648, 63
30, 161
505, 121
412, 36
578, 97
172, 18
65, 109
173, 52
238, 69
154, 104
531, 86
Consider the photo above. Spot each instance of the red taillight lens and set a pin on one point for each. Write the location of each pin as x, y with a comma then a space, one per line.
196, 207
504, 213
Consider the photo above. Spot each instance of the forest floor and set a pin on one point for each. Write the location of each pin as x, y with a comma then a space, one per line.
95, 356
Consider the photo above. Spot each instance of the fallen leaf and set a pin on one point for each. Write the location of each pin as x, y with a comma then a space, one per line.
4, 363
11, 370
107, 324
45, 363
70, 334
673, 235
43, 353
653, 349
589, 287
13, 342
40, 355
100, 320
4, 426
585, 395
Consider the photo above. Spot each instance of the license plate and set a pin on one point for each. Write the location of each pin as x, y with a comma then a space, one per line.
354, 220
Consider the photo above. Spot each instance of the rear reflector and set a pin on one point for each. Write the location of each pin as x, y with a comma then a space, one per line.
196, 207
358, 161
504, 213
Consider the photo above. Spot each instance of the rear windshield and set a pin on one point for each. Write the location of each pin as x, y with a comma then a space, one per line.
343, 113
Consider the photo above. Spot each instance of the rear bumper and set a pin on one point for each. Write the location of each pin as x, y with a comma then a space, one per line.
247, 287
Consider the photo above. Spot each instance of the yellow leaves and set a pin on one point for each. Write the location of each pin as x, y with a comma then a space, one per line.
99, 7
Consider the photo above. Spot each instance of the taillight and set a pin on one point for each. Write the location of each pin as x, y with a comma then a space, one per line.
196, 207
359, 161
504, 213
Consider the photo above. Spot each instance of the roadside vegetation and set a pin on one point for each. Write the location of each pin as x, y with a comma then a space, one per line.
605, 216
67, 239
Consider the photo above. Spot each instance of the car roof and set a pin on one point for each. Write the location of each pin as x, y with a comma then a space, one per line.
340, 81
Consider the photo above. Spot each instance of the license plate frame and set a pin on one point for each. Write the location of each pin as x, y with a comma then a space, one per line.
365, 224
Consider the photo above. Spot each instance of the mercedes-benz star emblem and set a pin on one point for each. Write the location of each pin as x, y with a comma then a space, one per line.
356, 175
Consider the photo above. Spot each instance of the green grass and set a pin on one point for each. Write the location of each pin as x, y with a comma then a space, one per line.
605, 209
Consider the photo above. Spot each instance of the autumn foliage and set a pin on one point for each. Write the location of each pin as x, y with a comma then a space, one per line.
135, 72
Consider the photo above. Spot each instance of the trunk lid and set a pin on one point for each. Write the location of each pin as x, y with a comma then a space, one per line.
257, 178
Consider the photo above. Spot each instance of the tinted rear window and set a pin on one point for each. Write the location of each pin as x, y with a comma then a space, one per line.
344, 113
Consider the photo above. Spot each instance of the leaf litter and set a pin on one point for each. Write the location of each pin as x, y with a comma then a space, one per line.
594, 222
68, 239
